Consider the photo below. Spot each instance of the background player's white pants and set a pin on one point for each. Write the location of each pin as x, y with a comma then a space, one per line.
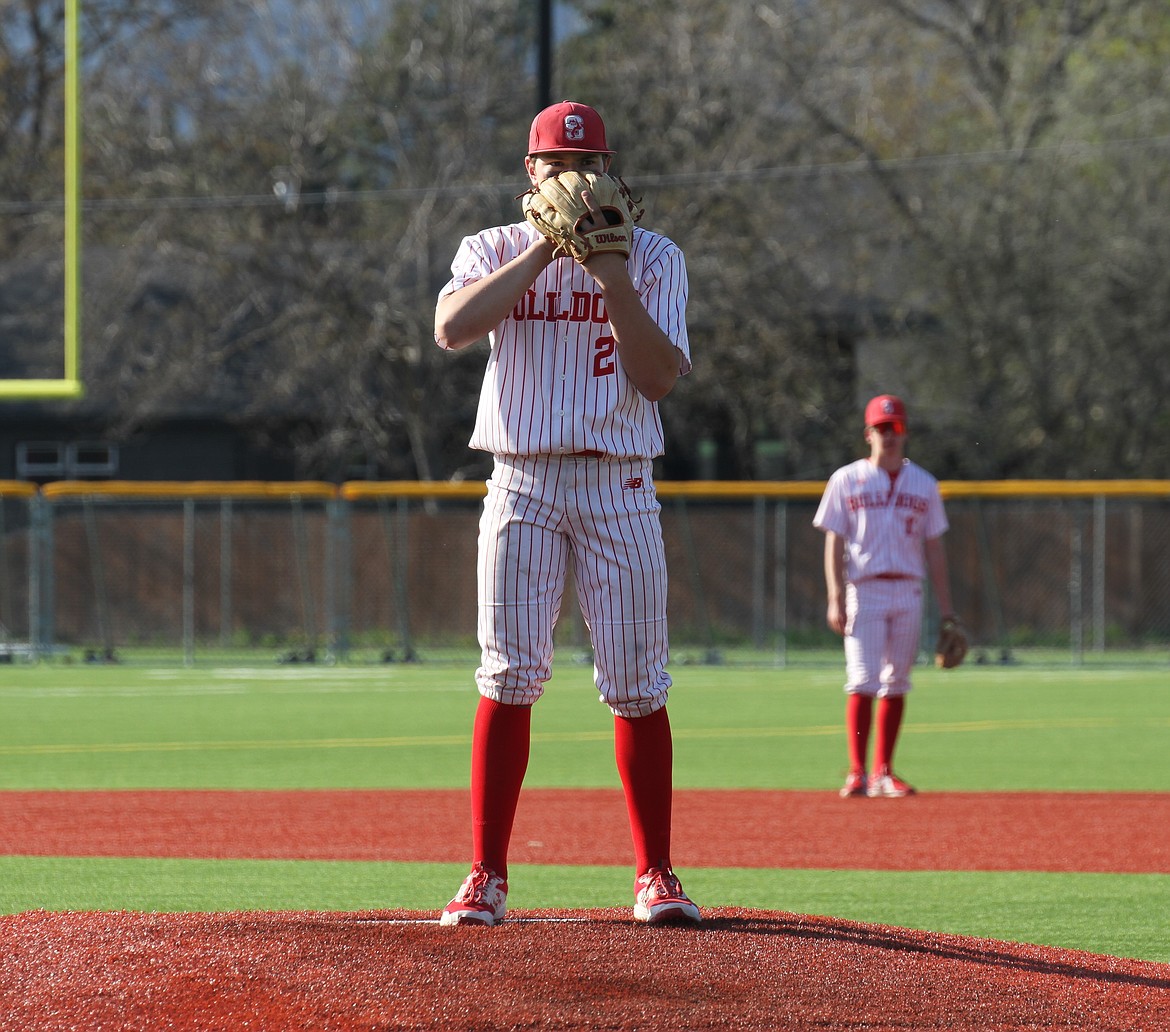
605, 513
883, 622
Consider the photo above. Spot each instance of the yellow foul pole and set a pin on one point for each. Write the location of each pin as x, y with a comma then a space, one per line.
72, 195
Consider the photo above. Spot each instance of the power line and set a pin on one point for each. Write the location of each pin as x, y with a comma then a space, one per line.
708, 177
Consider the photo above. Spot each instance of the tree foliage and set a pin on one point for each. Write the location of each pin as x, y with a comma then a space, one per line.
963, 201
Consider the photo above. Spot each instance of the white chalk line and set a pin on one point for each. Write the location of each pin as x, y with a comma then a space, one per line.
507, 920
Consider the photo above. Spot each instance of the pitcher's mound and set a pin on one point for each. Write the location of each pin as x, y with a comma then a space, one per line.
594, 969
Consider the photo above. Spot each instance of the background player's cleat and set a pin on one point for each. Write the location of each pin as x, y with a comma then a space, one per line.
482, 899
855, 785
884, 784
659, 899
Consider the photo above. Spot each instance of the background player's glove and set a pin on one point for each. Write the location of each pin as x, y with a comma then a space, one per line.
554, 206
951, 648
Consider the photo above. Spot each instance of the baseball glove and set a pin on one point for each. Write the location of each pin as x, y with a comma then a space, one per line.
951, 648
554, 206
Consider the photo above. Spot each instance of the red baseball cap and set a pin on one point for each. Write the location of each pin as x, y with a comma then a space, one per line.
568, 127
885, 408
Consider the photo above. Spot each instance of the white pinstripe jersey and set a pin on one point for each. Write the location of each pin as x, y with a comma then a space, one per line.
883, 524
553, 383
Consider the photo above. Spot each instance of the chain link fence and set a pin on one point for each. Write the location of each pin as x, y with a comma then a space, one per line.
381, 572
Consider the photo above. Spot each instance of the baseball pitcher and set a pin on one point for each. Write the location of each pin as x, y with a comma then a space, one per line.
584, 312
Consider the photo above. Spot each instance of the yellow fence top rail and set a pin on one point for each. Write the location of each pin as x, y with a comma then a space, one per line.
17, 488
1054, 488
158, 489
729, 490
734, 489
700, 490
369, 490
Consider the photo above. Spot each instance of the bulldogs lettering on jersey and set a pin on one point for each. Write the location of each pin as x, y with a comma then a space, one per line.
884, 521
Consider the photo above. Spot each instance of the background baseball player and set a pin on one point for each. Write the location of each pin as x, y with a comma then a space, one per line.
581, 351
883, 521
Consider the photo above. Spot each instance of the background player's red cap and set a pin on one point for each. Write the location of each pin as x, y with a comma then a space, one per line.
568, 127
885, 408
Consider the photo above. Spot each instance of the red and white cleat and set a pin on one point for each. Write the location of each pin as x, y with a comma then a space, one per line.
482, 899
855, 785
885, 784
659, 899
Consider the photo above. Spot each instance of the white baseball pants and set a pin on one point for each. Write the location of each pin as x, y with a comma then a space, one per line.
605, 513
883, 623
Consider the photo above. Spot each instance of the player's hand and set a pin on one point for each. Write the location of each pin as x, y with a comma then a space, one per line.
835, 616
596, 220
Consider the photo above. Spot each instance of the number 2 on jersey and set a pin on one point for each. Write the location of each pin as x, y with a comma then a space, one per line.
603, 352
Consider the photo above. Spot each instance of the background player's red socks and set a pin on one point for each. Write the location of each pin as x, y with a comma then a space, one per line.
645, 754
858, 719
889, 721
499, 759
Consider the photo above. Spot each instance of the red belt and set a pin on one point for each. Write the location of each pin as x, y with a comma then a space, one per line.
586, 455
892, 576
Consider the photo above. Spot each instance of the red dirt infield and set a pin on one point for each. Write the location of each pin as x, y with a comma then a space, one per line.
591, 969
1010, 831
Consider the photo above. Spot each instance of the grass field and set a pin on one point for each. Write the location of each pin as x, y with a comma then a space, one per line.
1008, 728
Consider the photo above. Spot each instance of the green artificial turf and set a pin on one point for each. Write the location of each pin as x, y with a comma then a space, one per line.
1115, 914
981, 728
408, 725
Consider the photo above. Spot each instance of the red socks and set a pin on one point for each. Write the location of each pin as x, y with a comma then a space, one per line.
889, 722
644, 751
858, 718
499, 760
